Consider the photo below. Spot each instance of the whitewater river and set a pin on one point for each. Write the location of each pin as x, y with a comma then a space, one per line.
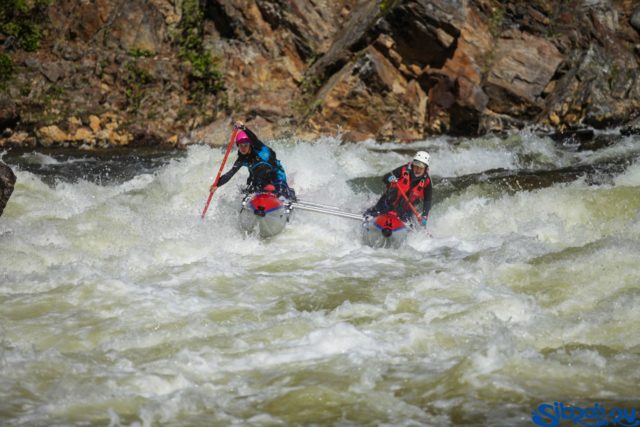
120, 307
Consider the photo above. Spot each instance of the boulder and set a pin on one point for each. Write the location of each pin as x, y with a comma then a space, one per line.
523, 66
459, 100
350, 39
52, 135
7, 181
81, 20
371, 97
53, 71
138, 25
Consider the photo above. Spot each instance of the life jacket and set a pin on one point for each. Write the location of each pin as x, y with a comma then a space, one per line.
415, 194
265, 156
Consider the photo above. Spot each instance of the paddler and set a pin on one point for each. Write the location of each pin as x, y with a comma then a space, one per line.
414, 181
264, 167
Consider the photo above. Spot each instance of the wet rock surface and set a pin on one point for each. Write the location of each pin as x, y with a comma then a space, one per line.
7, 182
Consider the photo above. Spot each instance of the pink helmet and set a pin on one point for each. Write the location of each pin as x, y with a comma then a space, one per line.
242, 137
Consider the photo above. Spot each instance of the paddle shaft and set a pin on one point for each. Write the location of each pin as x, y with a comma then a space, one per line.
413, 208
224, 160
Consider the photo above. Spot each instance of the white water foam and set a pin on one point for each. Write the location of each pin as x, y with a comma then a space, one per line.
119, 306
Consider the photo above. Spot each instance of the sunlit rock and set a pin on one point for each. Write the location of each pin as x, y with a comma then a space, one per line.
387, 70
517, 76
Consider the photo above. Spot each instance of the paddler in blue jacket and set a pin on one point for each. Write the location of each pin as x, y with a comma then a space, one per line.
264, 167
414, 181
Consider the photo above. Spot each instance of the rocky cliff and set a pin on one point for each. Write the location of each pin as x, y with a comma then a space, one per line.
116, 72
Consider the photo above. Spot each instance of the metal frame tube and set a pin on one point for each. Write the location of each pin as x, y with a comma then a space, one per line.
317, 205
335, 212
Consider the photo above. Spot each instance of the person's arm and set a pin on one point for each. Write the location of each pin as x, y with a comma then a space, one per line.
229, 174
255, 141
396, 173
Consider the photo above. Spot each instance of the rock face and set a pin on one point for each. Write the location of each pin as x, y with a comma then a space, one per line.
7, 181
158, 71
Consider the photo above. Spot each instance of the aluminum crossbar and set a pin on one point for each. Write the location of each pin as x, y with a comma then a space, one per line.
317, 205
325, 210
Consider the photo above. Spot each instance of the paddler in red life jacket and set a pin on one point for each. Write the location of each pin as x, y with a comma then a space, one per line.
261, 162
414, 181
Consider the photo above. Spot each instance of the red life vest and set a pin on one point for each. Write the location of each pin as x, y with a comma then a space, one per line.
415, 194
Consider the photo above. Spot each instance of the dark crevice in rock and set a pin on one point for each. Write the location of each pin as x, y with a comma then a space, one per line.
272, 12
9, 123
300, 42
635, 19
464, 120
406, 28
214, 11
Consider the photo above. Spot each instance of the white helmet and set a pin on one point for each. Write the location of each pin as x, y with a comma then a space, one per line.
422, 157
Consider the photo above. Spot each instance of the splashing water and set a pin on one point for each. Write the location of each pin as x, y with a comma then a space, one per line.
120, 307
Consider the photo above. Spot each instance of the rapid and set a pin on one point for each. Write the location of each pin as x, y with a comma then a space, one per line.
119, 306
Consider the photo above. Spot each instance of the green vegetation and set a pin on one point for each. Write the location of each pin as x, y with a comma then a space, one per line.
25, 88
53, 96
387, 5
310, 84
137, 75
496, 19
205, 77
6, 69
23, 20
55, 91
136, 79
141, 53
191, 26
302, 104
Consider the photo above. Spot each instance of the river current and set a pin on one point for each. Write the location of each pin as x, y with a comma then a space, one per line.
119, 306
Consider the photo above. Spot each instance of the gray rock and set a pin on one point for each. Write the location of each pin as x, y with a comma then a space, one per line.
347, 41
53, 71
139, 25
32, 63
518, 77
7, 181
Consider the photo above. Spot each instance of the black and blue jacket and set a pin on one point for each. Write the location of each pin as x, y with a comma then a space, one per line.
260, 155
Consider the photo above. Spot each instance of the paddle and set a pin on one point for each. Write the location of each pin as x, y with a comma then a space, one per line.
215, 183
